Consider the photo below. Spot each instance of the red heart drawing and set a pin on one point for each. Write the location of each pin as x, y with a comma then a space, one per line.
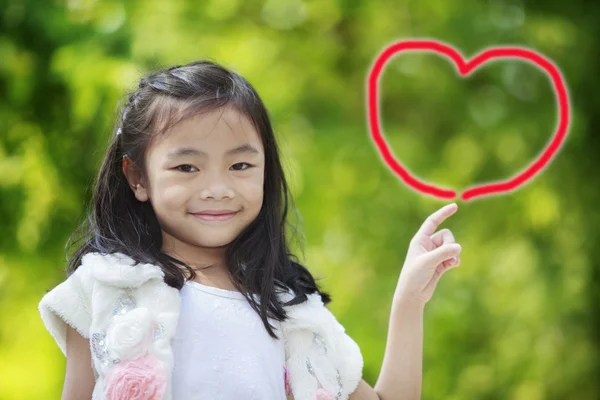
465, 68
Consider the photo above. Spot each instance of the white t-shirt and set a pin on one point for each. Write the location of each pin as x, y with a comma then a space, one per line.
222, 350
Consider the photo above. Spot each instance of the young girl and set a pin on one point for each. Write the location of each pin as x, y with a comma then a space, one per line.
184, 286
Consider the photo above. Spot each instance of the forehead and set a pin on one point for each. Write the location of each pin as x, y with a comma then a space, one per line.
213, 132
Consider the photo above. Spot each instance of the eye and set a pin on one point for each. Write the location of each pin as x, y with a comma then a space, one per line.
242, 163
184, 165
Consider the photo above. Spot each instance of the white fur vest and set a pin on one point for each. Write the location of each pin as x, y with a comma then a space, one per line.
107, 295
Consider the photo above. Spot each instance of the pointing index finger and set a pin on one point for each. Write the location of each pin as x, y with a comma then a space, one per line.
435, 220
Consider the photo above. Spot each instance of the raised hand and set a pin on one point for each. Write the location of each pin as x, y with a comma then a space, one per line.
430, 254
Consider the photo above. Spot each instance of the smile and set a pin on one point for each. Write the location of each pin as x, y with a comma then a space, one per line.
222, 217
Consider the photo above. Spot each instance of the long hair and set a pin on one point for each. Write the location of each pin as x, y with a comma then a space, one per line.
258, 259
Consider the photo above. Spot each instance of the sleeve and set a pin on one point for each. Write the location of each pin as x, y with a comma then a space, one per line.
320, 355
349, 357
68, 303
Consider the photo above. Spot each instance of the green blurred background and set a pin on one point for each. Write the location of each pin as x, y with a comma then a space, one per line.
517, 320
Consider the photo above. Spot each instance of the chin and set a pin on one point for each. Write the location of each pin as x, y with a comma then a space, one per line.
214, 242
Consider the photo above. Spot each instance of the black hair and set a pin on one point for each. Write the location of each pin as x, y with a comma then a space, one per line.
258, 259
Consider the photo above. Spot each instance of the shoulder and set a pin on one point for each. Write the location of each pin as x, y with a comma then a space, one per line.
118, 269
311, 313
70, 302
114, 269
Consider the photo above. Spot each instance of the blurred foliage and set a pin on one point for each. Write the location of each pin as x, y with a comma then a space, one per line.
517, 320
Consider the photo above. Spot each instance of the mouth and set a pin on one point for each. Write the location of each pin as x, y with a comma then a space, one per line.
215, 217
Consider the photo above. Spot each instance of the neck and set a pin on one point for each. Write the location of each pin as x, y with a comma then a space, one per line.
207, 262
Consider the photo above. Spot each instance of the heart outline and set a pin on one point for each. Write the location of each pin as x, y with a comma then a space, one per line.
465, 68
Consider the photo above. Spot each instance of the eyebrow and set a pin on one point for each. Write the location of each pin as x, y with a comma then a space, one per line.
185, 151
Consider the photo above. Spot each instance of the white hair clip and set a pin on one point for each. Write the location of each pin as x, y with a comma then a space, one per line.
119, 131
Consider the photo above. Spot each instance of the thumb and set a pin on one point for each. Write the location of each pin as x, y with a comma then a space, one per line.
441, 254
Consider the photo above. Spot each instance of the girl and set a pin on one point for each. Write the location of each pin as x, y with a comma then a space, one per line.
184, 286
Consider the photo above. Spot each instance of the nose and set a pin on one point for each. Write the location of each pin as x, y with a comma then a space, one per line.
216, 186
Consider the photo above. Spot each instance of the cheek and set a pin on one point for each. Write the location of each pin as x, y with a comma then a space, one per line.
174, 197
170, 196
253, 191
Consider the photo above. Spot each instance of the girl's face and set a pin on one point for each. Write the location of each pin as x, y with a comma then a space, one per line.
214, 161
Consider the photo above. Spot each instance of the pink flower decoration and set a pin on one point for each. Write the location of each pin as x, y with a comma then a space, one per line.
323, 394
286, 378
141, 379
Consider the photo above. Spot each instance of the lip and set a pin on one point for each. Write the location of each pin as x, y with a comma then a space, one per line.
215, 212
215, 215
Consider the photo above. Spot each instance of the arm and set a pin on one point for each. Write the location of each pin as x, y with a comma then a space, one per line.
401, 373
400, 376
79, 377
430, 255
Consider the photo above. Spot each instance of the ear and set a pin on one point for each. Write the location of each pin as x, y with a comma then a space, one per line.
135, 179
